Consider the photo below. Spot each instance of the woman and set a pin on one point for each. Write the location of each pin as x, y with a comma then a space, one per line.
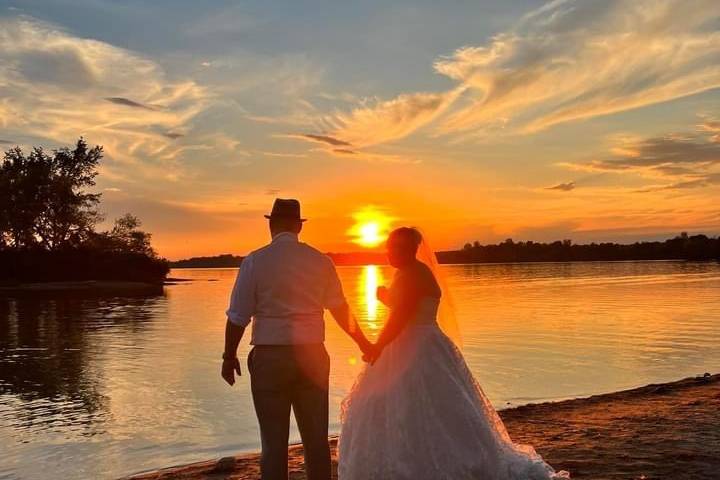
416, 412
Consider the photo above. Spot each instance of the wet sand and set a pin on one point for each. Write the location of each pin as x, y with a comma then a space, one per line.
657, 432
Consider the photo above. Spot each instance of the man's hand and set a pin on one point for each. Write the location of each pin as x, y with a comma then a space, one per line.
229, 367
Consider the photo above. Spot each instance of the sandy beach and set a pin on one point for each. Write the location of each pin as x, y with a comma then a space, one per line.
664, 431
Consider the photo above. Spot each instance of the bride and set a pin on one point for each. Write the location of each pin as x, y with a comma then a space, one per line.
416, 412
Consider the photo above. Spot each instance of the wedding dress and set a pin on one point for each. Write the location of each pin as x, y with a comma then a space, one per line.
419, 414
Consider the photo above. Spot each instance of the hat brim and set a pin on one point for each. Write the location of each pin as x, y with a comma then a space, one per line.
289, 218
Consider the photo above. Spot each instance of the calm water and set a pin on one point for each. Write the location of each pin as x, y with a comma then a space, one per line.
103, 387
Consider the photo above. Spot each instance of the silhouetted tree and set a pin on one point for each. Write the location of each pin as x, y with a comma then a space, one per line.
125, 236
43, 201
48, 218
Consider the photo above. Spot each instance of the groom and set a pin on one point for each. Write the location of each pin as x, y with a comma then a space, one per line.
284, 287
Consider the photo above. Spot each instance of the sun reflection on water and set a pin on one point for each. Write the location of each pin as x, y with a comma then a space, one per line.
372, 278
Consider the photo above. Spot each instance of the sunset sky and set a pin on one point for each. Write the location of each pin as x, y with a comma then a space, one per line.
592, 120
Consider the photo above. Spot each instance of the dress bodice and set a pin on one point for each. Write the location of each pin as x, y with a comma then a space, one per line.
427, 308
427, 311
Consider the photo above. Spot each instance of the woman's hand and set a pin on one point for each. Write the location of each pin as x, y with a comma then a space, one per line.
383, 294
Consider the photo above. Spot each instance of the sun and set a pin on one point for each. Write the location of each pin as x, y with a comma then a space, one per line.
371, 227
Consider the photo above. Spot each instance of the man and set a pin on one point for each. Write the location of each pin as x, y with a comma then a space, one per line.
285, 287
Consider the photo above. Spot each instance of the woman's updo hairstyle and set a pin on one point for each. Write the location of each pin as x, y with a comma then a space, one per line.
409, 234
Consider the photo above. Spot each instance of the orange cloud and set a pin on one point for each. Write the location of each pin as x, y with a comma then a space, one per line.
392, 119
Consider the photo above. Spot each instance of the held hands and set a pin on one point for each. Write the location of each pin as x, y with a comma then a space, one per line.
229, 367
371, 352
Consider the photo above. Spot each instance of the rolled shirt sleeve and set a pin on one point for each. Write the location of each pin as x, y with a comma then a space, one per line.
242, 299
334, 296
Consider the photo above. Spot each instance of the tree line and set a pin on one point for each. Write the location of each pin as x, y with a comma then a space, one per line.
49, 218
682, 247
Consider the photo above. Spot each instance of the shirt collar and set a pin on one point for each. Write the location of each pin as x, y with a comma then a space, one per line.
285, 237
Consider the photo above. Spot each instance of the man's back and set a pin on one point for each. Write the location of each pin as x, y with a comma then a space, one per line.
285, 286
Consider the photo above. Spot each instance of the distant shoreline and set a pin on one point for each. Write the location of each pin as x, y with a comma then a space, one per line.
657, 431
683, 247
539, 262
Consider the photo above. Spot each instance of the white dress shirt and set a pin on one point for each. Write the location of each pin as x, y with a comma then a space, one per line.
284, 288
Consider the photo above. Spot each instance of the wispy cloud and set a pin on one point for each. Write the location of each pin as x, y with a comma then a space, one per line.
344, 151
713, 127
283, 154
373, 157
673, 154
686, 160
575, 59
379, 123
385, 121
324, 139
57, 86
568, 60
563, 187
129, 103
173, 135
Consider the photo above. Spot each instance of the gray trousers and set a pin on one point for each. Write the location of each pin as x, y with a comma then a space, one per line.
297, 376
